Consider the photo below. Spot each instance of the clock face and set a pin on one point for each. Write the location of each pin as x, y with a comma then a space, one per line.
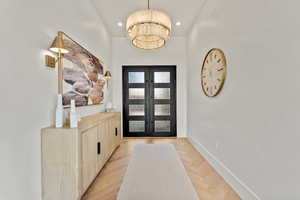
213, 73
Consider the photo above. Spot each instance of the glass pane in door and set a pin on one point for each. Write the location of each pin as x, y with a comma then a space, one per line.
162, 93
161, 77
162, 110
136, 77
162, 126
136, 93
136, 110
136, 126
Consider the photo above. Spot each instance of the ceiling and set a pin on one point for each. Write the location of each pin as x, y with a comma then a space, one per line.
114, 11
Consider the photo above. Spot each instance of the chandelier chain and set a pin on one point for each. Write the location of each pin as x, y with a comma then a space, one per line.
148, 4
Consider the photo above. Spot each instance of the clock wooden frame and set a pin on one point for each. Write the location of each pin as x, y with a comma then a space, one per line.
220, 87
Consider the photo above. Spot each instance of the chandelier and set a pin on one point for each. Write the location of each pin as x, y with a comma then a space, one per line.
148, 29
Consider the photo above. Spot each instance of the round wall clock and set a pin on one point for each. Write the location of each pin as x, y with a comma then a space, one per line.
213, 73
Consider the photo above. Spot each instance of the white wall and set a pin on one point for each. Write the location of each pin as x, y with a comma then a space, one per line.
252, 127
174, 53
28, 88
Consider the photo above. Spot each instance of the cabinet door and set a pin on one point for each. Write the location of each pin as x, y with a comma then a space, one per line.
118, 130
107, 141
89, 156
101, 146
111, 135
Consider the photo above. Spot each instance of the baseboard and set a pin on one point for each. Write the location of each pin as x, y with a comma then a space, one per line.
241, 188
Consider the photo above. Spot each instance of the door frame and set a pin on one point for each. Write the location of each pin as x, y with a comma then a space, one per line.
173, 115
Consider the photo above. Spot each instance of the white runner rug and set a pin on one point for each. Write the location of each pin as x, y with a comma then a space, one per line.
155, 172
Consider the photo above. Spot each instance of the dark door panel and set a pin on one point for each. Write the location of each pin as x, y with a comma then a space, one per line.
149, 101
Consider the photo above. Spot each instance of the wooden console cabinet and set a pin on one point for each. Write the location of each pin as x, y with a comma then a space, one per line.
72, 158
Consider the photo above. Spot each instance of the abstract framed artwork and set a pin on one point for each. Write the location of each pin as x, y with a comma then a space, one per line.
82, 75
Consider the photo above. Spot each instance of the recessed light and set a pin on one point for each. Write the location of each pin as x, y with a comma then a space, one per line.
120, 24
178, 24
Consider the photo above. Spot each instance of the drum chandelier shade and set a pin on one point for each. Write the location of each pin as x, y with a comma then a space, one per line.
148, 29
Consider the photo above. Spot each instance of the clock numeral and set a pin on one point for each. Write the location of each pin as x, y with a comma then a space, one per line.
219, 80
220, 69
215, 87
219, 61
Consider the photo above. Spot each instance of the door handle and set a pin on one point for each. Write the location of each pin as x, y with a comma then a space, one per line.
116, 131
98, 148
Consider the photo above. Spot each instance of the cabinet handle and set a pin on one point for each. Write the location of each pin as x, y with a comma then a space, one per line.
98, 148
116, 131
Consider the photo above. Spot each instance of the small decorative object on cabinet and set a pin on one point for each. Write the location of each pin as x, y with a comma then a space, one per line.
213, 73
59, 114
73, 115
72, 158
109, 107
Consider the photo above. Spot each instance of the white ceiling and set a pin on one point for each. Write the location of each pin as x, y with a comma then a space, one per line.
114, 11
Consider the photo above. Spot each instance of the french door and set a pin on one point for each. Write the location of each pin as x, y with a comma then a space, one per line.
149, 101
